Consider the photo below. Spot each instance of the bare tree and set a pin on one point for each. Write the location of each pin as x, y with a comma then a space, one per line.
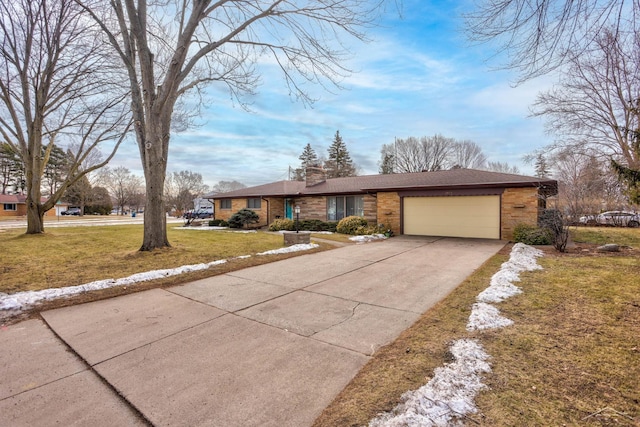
593, 106
423, 154
54, 90
593, 109
182, 187
174, 48
502, 167
226, 186
582, 183
467, 154
123, 186
542, 35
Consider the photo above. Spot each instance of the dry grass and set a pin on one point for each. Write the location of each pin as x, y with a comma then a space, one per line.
571, 358
603, 235
76, 255
574, 349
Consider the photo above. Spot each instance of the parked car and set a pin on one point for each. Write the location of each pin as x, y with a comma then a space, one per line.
72, 211
199, 214
588, 219
619, 219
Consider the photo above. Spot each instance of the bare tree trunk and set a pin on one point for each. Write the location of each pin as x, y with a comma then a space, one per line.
35, 213
35, 217
154, 155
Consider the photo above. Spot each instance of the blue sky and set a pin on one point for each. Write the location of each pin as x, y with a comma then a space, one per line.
418, 76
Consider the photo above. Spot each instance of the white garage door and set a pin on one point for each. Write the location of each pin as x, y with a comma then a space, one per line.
464, 216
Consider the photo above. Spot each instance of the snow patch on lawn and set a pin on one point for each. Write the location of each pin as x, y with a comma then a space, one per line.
22, 300
485, 316
208, 228
203, 227
449, 394
501, 287
292, 248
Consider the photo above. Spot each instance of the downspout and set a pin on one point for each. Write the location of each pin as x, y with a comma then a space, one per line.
266, 200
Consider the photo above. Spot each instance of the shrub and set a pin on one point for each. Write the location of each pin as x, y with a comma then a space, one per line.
243, 218
551, 220
530, 235
317, 225
282, 224
218, 223
351, 224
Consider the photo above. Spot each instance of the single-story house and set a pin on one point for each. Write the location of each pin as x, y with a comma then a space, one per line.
456, 202
16, 205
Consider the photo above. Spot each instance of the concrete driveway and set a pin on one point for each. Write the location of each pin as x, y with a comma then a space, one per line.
266, 346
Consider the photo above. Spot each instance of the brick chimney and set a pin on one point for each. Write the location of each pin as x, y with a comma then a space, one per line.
315, 175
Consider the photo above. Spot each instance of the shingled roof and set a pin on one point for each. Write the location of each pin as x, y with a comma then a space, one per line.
439, 180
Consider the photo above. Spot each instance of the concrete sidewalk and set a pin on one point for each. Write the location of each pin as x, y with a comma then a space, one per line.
265, 346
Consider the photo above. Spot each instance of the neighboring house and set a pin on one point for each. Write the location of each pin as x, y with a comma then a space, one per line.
457, 202
15, 205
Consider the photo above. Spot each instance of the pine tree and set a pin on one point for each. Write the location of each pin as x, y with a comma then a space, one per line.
339, 163
630, 176
542, 167
307, 158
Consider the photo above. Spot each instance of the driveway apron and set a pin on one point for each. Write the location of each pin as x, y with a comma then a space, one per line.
270, 345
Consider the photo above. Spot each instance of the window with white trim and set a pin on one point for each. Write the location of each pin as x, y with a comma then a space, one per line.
10, 207
225, 204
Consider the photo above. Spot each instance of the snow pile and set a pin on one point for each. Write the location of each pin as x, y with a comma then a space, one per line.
367, 238
486, 316
501, 287
292, 248
448, 395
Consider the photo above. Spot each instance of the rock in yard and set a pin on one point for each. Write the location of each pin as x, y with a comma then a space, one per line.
609, 247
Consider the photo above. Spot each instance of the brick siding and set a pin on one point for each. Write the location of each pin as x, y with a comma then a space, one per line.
519, 206
388, 210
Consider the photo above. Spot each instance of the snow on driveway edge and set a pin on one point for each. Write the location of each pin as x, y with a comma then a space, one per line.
450, 394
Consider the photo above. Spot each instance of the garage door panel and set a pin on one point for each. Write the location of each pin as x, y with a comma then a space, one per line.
467, 216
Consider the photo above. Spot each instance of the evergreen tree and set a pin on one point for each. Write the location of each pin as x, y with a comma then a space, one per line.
387, 159
307, 158
339, 163
56, 169
541, 166
628, 175
11, 170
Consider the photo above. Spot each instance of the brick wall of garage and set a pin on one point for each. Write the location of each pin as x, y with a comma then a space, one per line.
388, 210
519, 206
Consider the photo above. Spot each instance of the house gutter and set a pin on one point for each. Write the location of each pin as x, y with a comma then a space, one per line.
268, 210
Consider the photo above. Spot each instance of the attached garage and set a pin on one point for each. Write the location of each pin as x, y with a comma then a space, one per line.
454, 216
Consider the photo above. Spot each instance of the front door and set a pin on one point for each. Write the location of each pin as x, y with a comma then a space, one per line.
288, 209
